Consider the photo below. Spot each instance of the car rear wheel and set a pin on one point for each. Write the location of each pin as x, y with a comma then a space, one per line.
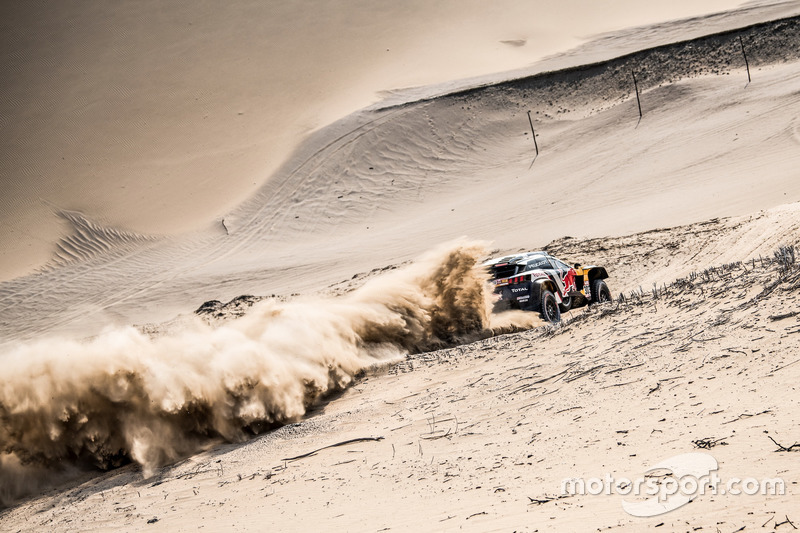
600, 292
550, 310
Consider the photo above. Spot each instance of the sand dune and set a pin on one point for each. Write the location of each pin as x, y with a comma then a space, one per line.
86, 240
159, 118
699, 347
481, 436
381, 186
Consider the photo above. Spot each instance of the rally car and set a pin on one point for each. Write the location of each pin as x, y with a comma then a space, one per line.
537, 281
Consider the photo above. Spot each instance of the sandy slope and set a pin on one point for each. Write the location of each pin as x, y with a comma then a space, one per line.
381, 186
481, 436
159, 118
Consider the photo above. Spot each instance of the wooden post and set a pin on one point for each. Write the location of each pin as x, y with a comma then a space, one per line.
533, 133
746, 64
636, 88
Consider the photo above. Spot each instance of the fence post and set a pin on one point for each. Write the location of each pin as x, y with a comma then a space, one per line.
636, 88
533, 133
746, 63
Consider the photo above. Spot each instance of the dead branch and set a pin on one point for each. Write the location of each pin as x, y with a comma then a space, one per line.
709, 443
545, 499
351, 441
620, 369
746, 415
785, 315
783, 448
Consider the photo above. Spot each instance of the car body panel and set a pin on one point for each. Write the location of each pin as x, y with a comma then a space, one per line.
519, 279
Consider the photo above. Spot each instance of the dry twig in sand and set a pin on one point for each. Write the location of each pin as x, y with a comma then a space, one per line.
351, 441
709, 443
787, 521
540, 501
783, 448
785, 315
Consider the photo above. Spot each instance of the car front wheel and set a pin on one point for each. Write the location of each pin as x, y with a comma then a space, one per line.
550, 311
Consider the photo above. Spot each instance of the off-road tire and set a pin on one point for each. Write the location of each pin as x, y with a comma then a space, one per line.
550, 311
600, 292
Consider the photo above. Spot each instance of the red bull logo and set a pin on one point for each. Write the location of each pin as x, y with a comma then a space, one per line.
569, 282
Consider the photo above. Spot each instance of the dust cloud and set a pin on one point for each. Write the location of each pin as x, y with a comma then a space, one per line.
125, 396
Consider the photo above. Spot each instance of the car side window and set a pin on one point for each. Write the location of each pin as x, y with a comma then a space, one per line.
561, 265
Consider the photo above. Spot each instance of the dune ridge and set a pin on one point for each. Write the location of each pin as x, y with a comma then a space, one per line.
120, 112
392, 182
441, 143
88, 240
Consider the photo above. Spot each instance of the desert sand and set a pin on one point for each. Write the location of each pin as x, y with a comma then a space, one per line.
367, 385
159, 118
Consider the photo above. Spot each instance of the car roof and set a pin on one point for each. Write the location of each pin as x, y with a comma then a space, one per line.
516, 258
